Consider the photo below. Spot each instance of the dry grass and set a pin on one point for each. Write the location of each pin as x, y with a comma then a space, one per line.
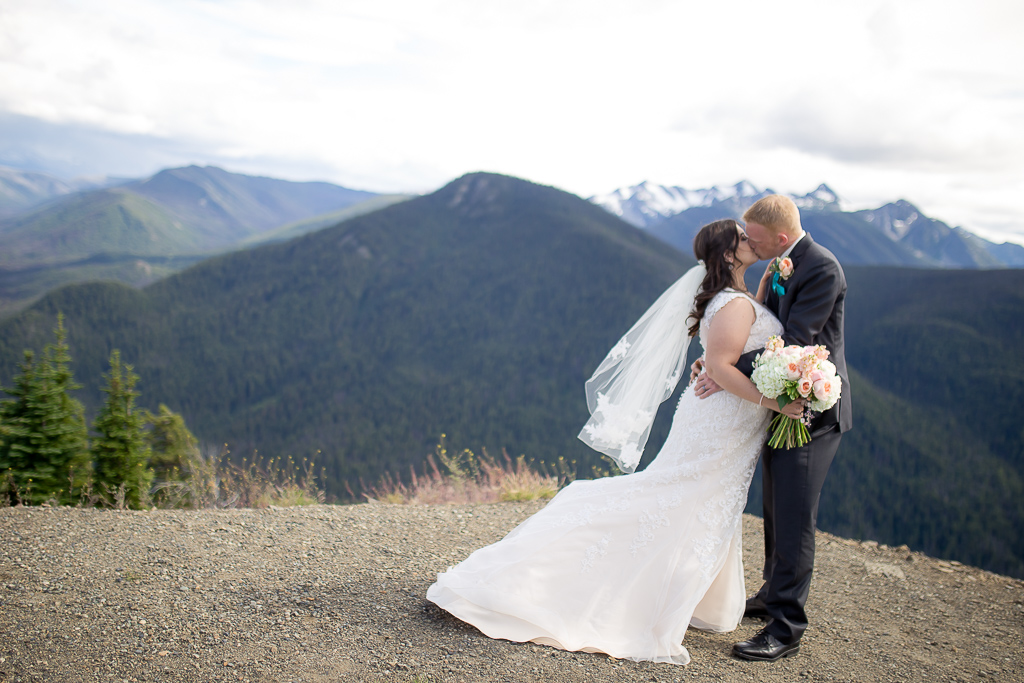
214, 481
466, 478
209, 480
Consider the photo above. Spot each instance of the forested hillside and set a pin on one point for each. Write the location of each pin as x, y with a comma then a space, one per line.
480, 310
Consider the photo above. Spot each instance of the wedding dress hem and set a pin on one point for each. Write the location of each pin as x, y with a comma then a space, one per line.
509, 627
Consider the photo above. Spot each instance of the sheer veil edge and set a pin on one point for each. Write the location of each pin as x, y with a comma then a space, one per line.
639, 373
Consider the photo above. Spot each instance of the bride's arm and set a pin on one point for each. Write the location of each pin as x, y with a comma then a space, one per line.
727, 335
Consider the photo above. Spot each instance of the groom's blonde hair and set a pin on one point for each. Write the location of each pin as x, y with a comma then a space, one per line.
776, 212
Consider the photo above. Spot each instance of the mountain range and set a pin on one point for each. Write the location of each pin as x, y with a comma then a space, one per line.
894, 234
23, 190
139, 231
480, 310
54, 232
648, 204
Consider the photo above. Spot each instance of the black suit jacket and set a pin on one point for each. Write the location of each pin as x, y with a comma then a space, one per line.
811, 311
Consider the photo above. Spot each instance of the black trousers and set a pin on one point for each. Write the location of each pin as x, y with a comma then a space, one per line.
792, 481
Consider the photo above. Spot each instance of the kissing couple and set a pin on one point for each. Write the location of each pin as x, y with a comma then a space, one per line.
624, 565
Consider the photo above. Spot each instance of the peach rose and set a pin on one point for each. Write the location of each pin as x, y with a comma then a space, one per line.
827, 389
792, 367
804, 386
785, 268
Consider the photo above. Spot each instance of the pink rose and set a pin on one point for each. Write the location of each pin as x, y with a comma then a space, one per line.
804, 386
816, 375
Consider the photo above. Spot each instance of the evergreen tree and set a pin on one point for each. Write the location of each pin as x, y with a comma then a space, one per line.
174, 449
44, 442
120, 451
15, 427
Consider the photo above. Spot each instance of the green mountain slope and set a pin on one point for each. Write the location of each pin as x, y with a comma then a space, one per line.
83, 225
20, 287
223, 208
138, 232
292, 230
20, 190
177, 211
949, 341
480, 310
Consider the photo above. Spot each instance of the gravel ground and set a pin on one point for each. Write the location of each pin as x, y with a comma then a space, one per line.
328, 593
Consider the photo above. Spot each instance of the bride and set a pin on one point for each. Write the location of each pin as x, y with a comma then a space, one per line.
623, 565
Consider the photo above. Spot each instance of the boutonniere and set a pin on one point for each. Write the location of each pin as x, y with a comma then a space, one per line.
781, 269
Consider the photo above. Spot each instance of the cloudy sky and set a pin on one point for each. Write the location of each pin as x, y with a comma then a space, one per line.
922, 100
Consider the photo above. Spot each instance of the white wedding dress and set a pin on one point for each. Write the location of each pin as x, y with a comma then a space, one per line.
623, 565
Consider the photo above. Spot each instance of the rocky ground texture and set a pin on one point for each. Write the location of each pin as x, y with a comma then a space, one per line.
336, 593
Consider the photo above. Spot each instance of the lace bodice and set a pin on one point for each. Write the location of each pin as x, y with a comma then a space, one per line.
765, 323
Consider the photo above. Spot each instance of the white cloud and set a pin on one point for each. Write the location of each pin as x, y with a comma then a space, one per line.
880, 99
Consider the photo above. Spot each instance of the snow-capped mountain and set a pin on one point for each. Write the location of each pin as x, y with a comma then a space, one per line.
823, 198
648, 203
954, 247
894, 234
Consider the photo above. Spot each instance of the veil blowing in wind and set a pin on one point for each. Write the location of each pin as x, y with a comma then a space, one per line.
639, 373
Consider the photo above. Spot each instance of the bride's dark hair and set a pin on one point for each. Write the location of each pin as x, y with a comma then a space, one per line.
711, 245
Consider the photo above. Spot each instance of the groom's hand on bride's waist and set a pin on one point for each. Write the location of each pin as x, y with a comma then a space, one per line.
705, 386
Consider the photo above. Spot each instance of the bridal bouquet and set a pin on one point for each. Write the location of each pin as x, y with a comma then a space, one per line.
788, 373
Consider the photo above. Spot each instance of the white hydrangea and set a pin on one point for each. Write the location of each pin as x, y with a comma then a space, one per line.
770, 375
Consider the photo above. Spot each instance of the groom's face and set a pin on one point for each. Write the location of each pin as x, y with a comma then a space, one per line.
764, 242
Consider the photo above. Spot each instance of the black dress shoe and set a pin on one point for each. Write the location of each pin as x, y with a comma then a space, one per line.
764, 647
755, 609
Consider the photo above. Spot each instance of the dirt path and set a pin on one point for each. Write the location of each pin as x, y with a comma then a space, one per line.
330, 593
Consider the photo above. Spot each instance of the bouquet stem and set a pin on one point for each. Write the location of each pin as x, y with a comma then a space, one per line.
788, 432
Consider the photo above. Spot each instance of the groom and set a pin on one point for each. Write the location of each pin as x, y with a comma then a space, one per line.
809, 303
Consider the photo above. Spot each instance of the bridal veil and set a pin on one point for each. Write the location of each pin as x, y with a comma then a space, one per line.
639, 373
